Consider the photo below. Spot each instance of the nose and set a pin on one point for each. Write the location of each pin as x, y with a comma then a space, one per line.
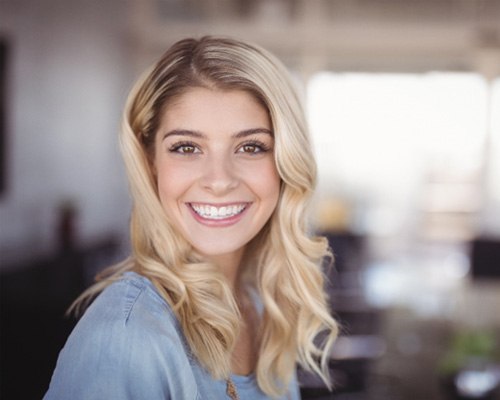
219, 175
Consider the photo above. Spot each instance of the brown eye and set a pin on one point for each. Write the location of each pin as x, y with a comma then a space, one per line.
253, 147
250, 148
186, 149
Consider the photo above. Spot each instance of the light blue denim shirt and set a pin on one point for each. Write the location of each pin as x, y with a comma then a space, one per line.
128, 345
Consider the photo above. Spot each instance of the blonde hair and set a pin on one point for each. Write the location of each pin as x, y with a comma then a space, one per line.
283, 261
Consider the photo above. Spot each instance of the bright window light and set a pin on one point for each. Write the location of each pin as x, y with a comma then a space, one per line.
494, 175
380, 138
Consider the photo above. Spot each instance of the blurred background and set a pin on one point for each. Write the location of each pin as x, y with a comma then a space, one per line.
403, 100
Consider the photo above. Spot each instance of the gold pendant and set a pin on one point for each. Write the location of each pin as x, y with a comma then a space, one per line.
231, 389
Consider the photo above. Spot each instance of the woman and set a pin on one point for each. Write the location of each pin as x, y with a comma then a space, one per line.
223, 293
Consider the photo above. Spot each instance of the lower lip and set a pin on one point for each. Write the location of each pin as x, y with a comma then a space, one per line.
218, 223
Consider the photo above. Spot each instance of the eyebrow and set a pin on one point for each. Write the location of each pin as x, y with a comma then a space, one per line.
254, 131
199, 135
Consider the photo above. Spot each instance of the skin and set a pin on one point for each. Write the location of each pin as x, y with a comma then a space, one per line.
218, 183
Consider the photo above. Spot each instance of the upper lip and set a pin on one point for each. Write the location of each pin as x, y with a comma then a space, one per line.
234, 203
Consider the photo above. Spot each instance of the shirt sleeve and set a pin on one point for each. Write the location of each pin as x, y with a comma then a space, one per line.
123, 348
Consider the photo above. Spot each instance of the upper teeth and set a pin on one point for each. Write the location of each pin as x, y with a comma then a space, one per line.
212, 212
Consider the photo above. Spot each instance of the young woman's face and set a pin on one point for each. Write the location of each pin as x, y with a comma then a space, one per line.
215, 169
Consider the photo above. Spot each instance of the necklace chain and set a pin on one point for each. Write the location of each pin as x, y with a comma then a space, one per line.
231, 389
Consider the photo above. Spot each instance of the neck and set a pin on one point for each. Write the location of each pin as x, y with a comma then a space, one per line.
230, 264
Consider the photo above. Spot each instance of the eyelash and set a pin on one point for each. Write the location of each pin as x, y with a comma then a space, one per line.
176, 147
260, 147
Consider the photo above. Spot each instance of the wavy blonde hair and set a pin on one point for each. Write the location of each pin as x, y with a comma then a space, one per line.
283, 262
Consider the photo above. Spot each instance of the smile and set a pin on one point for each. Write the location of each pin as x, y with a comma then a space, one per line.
217, 213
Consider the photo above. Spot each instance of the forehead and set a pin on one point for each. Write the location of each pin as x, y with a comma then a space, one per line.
200, 106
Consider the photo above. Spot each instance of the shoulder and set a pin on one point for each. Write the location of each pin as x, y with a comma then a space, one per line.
129, 307
124, 301
130, 314
124, 294
127, 340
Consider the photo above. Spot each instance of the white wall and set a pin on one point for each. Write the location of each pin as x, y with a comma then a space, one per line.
67, 81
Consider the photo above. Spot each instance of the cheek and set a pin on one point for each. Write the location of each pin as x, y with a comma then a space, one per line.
267, 180
171, 182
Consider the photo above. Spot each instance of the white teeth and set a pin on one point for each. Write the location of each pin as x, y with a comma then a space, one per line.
211, 212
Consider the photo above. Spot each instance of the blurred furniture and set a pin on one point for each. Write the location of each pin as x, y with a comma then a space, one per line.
359, 343
33, 326
485, 258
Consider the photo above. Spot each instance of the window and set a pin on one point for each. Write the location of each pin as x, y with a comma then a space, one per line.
403, 152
